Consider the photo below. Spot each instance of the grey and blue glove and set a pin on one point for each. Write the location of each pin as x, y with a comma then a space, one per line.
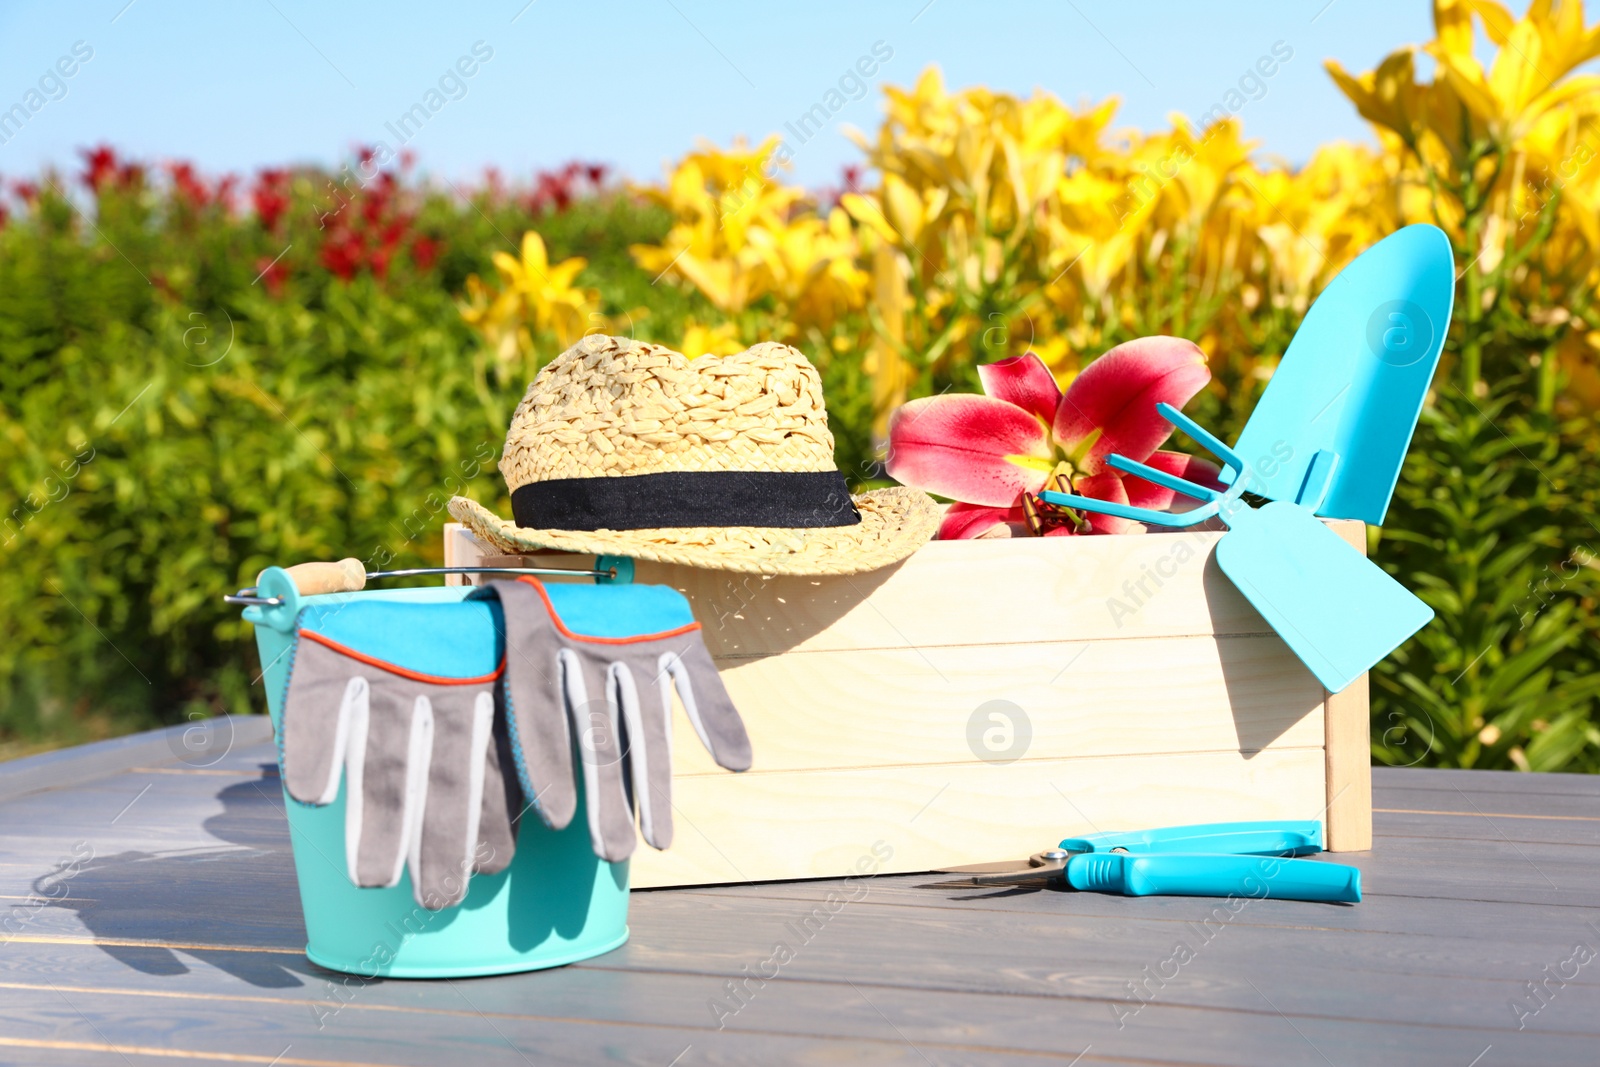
603, 677
424, 757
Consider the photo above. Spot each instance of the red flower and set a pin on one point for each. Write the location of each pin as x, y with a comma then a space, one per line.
989, 452
102, 165
424, 251
372, 233
378, 262
104, 170
270, 197
274, 274
193, 192
343, 255
552, 190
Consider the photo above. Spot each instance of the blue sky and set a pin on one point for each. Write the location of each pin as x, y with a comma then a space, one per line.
238, 85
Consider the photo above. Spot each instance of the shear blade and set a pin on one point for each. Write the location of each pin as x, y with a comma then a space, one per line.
1019, 880
1038, 874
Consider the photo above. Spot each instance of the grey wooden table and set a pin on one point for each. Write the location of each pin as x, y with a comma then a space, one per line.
153, 913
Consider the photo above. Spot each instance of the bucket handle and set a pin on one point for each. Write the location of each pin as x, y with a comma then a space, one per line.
275, 598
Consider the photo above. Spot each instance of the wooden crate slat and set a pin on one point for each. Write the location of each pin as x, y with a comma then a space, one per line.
906, 706
951, 592
819, 823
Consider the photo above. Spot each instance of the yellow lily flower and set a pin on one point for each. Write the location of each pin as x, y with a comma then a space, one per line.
536, 298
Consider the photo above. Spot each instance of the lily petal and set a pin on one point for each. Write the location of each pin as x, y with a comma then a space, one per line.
1024, 381
1143, 494
966, 521
1117, 394
966, 447
1107, 485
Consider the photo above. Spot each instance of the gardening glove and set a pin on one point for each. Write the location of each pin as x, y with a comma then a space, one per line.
614, 695
428, 781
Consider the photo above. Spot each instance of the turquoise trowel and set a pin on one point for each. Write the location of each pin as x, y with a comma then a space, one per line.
1332, 427
1327, 438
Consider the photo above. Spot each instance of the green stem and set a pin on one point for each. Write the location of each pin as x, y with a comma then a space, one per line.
1547, 380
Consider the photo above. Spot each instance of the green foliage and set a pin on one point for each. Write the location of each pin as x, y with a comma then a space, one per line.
171, 427
189, 395
1486, 529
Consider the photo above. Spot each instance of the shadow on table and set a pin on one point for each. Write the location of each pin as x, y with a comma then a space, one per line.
1269, 690
235, 908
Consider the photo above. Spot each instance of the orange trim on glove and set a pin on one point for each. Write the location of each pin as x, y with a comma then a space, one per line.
687, 628
392, 668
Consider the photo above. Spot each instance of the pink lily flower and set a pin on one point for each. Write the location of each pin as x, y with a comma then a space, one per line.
989, 452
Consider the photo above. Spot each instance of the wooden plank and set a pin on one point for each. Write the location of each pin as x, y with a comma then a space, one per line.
1485, 928
1049, 950
818, 823
841, 994
1492, 869
200, 743
1347, 718
1399, 979
1092, 953
1025, 590
286, 1035
1469, 827
1478, 783
798, 1021
1385, 934
890, 707
459, 551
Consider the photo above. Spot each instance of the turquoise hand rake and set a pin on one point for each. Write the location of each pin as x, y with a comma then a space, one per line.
1334, 607
1331, 431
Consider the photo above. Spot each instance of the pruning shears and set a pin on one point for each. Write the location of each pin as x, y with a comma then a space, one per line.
1225, 859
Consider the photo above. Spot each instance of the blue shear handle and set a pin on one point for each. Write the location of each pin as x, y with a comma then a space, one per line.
1186, 874
1266, 837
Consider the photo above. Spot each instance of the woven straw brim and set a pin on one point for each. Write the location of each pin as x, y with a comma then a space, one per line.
894, 523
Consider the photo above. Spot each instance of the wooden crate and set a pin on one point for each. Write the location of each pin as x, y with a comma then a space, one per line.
888, 711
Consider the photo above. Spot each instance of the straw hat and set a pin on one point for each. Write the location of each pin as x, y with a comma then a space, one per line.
631, 449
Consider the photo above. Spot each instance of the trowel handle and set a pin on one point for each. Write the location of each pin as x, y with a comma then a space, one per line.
348, 575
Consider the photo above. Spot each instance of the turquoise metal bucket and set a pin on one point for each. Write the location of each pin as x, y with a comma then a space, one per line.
556, 904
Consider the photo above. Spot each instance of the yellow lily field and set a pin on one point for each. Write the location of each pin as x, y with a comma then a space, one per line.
984, 225
998, 224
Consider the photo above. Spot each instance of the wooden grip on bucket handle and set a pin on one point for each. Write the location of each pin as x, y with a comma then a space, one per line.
348, 575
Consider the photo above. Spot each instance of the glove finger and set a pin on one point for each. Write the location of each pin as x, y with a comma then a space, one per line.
317, 706
707, 703
390, 749
502, 805
541, 744
596, 725
647, 718
463, 724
